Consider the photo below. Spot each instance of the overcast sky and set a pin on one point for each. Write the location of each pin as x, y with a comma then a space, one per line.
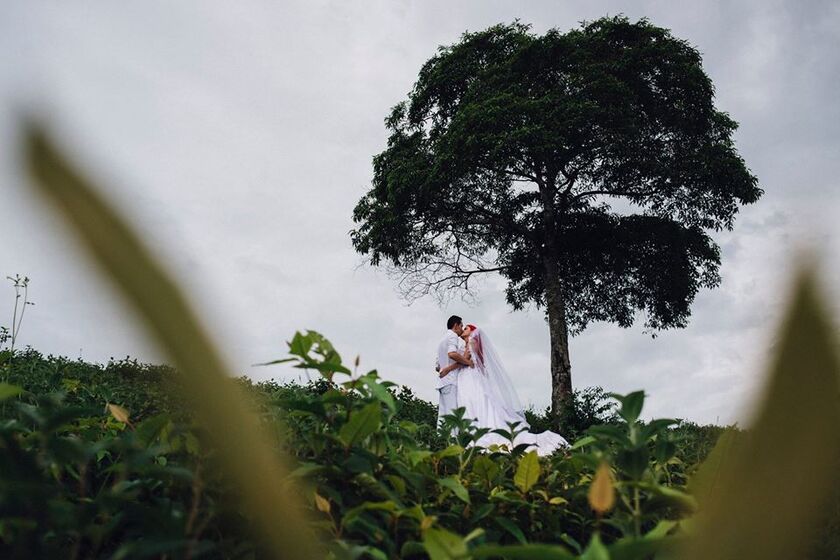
239, 136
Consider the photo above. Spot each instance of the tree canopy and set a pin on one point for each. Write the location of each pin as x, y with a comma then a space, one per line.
586, 167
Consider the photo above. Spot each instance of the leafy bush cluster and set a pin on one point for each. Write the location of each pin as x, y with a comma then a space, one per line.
134, 479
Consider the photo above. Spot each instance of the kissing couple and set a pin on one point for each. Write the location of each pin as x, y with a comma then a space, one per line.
471, 376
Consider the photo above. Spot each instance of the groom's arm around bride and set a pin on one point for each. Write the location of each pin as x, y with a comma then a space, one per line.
449, 354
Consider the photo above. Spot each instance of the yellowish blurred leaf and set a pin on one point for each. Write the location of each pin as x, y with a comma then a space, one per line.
322, 503
771, 488
601, 491
119, 413
245, 450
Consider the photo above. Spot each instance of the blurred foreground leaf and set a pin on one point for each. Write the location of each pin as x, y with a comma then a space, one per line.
770, 490
247, 456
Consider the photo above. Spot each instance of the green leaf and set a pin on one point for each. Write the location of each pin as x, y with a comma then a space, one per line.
609, 432
595, 550
324, 368
661, 530
631, 405
274, 362
772, 492
418, 455
380, 391
522, 552
362, 423
451, 451
527, 472
664, 449
452, 483
444, 545
8, 391
647, 547
511, 528
300, 345
351, 515
634, 461
474, 534
485, 468
586, 440
657, 426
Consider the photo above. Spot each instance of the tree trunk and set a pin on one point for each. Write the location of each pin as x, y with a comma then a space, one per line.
561, 366
555, 304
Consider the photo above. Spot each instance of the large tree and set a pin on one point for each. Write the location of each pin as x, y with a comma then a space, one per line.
588, 168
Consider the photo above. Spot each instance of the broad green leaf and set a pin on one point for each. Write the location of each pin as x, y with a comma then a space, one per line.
595, 550
633, 461
457, 488
325, 368
511, 528
7, 391
631, 405
485, 468
661, 530
772, 492
527, 472
451, 451
656, 426
586, 440
647, 547
418, 455
609, 432
244, 448
352, 514
380, 392
300, 344
362, 423
444, 545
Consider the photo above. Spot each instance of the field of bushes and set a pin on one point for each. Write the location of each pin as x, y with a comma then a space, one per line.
103, 461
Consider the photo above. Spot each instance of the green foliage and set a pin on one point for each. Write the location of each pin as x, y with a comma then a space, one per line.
385, 489
143, 389
584, 408
377, 488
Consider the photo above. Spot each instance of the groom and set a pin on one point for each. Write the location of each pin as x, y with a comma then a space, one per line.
450, 351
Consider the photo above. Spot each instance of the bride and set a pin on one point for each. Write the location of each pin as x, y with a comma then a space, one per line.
489, 398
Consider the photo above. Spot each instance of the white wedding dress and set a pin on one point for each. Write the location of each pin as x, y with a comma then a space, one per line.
490, 400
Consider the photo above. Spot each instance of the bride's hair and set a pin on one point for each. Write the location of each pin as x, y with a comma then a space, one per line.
476, 342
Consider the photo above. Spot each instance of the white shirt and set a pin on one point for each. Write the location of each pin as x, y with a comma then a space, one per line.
451, 343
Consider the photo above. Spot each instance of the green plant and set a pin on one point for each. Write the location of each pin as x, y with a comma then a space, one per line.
7, 335
93, 482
